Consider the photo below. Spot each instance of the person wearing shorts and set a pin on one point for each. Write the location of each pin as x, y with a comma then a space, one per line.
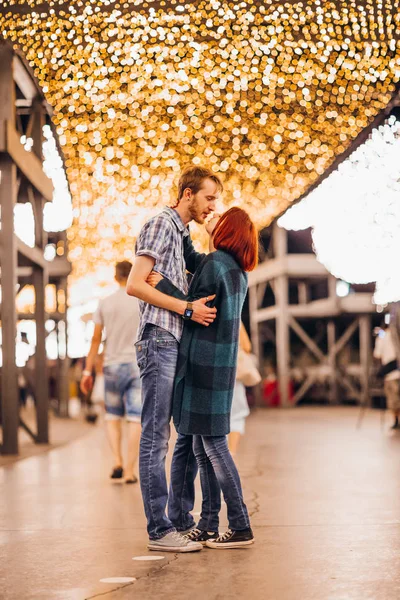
385, 352
118, 315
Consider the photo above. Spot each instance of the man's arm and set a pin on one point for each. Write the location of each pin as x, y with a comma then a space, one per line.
137, 286
87, 379
193, 259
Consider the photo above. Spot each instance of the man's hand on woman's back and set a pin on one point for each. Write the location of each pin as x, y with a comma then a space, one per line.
203, 314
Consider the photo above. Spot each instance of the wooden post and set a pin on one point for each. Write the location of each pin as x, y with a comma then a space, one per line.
254, 326
365, 357
41, 384
63, 361
303, 292
282, 322
8, 261
333, 387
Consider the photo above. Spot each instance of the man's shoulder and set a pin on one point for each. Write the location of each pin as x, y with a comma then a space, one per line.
110, 299
161, 219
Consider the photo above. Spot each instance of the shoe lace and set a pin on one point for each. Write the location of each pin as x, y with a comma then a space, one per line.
225, 536
179, 537
193, 534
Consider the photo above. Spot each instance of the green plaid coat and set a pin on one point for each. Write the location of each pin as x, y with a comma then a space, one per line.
205, 376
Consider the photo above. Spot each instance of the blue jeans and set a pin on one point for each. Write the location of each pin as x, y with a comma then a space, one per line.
218, 471
122, 393
181, 492
157, 354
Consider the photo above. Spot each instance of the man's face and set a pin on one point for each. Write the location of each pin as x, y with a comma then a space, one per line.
203, 203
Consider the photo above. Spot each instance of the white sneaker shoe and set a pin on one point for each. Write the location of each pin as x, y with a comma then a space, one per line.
174, 542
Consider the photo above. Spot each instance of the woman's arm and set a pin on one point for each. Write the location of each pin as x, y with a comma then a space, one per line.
244, 340
193, 259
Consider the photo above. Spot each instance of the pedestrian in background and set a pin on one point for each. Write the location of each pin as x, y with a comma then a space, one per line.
118, 315
385, 351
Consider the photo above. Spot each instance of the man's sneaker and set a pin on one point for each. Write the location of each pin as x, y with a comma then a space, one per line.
186, 531
174, 542
198, 535
232, 539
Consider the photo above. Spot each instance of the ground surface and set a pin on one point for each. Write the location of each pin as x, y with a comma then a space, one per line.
325, 504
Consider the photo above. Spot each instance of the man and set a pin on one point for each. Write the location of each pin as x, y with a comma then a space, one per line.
385, 351
163, 245
119, 316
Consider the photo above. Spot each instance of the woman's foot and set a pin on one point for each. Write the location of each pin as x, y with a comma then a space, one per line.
232, 539
117, 473
198, 535
131, 479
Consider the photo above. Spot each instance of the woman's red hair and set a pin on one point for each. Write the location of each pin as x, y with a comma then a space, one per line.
235, 233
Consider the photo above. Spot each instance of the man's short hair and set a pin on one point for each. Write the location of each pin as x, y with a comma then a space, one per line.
122, 270
193, 177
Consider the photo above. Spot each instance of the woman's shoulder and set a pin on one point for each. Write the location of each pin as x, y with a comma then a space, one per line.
227, 262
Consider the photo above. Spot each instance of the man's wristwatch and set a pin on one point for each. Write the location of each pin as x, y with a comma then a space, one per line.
187, 315
86, 373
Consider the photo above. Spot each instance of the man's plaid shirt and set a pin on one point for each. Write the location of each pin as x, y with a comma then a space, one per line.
162, 239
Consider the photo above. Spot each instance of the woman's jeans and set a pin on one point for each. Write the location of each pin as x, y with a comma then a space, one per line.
218, 472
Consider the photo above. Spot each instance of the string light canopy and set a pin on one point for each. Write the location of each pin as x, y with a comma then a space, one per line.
267, 94
355, 214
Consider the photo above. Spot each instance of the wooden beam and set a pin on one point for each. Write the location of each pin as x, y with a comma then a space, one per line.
23, 79
327, 307
41, 386
8, 261
305, 386
342, 341
254, 327
33, 255
358, 303
266, 314
63, 361
302, 266
334, 390
365, 357
305, 338
283, 338
59, 267
28, 163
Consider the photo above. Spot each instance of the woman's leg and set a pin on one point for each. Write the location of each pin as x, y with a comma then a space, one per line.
226, 472
210, 488
181, 489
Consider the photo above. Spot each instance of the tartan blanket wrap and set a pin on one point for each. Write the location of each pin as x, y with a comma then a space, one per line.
206, 369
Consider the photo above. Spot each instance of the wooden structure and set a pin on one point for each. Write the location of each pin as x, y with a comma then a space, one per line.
292, 303
24, 112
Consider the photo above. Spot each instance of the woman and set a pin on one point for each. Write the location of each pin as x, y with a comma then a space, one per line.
205, 377
240, 408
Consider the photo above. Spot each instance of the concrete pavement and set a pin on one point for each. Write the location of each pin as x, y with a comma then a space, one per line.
325, 504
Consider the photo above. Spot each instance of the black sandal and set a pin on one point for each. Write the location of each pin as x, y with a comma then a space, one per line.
118, 473
132, 479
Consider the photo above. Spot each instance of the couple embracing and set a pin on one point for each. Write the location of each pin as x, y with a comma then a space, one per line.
187, 351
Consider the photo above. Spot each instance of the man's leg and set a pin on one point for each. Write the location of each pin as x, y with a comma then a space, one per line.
133, 409
134, 431
157, 355
181, 491
114, 413
114, 434
391, 389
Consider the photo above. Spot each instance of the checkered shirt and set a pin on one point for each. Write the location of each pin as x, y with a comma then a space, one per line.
162, 239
